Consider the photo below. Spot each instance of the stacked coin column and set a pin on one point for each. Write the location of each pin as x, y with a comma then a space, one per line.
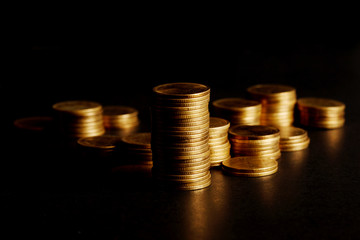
180, 134
278, 102
218, 141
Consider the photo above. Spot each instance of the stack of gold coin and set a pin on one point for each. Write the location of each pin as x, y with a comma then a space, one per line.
250, 166
99, 145
180, 134
293, 139
321, 112
120, 117
138, 148
255, 140
238, 111
278, 102
218, 141
79, 118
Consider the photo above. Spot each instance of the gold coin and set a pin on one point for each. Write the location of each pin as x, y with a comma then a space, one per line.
258, 142
184, 158
291, 133
180, 168
181, 90
181, 144
274, 155
249, 164
218, 124
82, 108
216, 139
253, 132
119, 112
100, 142
321, 103
170, 132
181, 128
247, 174
142, 140
295, 146
181, 164
237, 105
38, 123
167, 103
180, 151
273, 91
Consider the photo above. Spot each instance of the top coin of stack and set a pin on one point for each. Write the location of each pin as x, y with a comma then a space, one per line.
238, 111
80, 118
321, 112
100, 145
250, 166
255, 140
277, 101
218, 141
120, 117
180, 133
293, 139
138, 148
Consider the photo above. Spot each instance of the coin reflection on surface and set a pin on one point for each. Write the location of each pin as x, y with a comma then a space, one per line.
333, 141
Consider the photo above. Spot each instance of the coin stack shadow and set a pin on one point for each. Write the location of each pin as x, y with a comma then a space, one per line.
120, 120
238, 111
255, 141
138, 148
293, 139
179, 137
321, 112
218, 141
79, 118
278, 102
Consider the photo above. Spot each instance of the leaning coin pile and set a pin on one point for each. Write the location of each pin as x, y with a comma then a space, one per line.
138, 148
218, 141
79, 118
278, 102
293, 139
99, 145
120, 117
180, 134
250, 166
255, 140
321, 112
238, 111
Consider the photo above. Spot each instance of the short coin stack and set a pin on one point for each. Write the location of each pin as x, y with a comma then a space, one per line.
255, 141
218, 141
79, 118
238, 111
250, 166
293, 139
180, 134
278, 102
138, 148
99, 145
321, 112
120, 118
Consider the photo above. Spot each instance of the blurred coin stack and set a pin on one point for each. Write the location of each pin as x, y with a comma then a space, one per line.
99, 145
321, 112
293, 139
218, 141
79, 118
238, 111
250, 166
180, 134
138, 148
255, 141
278, 102
121, 120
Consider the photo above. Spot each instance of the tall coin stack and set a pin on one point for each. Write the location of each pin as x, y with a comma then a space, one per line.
79, 118
278, 102
179, 135
293, 139
238, 111
255, 141
122, 120
218, 141
321, 112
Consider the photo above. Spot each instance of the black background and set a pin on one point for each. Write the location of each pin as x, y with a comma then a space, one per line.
50, 192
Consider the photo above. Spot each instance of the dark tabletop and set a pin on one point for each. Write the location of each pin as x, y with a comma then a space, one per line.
51, 190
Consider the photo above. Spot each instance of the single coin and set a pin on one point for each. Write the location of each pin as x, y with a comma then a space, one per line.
78, 107
249, 164
321, 103
218, 124
138, 139
181, 90
101, 142
237, 104
248, 174
291, 133
253, 132
38, 123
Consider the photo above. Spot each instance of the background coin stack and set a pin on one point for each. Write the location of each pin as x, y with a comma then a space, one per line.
238, 111
278, 102
180, 134
250, 166
120, 120
99, 145
255, 141
79, 118
138, 148
321, 112
218, 141
293, 139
